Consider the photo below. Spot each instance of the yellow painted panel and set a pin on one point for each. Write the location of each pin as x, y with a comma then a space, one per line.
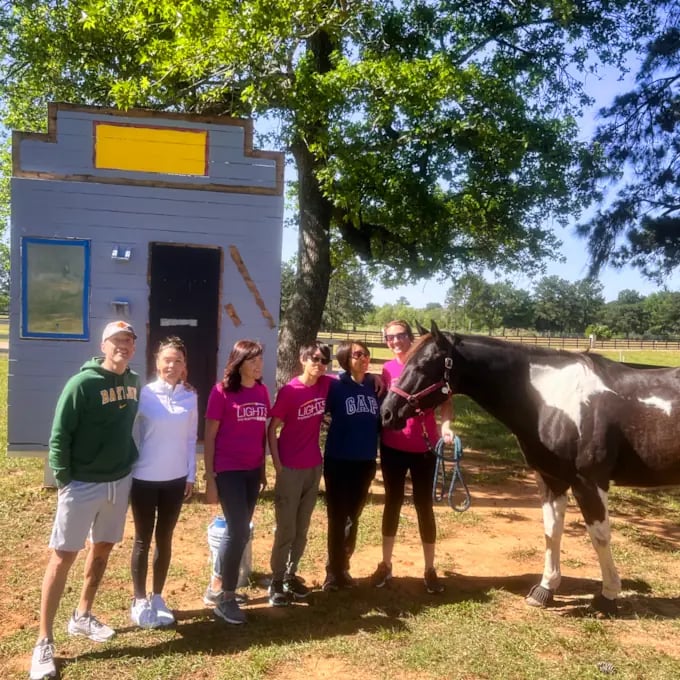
146, 149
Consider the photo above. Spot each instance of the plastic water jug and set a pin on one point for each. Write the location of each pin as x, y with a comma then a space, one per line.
216, 530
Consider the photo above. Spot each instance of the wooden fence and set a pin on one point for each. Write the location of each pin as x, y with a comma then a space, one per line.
374, 339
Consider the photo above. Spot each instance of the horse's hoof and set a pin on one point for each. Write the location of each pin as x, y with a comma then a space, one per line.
603, 607
539, 597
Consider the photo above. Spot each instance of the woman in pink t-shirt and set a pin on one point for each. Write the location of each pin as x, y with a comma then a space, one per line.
408, 451
233, 450
297, 412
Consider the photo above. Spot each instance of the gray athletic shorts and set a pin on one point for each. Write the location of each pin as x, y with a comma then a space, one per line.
94, 510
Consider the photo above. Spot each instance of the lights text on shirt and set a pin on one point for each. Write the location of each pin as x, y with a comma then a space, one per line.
311, 408
251, 411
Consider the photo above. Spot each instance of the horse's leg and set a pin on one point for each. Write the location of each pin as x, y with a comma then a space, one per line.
554, 507
593, 502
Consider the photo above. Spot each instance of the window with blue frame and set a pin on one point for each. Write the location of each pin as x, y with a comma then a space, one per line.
55, 288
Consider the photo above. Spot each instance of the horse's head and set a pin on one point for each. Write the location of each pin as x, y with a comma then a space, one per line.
425, 381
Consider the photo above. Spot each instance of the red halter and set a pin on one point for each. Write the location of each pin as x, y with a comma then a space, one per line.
442, 385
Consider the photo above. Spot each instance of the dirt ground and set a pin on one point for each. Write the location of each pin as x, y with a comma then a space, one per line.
497, 544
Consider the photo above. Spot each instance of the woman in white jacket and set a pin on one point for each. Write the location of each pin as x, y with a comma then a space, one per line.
162, 478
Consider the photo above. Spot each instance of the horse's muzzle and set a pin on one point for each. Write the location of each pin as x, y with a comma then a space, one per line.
390, 419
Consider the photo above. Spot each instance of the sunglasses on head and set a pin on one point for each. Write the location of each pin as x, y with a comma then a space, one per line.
396, 336
359, 354
319, 359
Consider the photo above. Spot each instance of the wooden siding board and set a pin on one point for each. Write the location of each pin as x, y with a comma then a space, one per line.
265, 278
37, 156
177, 199
73, 153
157, 150
69, 220
39, 353
142, 201
236, 175
79, 124
122, 231
72, 353
64, 188
75, 118
265, 248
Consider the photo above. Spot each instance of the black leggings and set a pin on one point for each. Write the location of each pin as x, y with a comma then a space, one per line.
154, 504
347, 483
394, 465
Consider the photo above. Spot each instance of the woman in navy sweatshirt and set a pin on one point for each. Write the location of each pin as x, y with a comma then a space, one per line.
349, 460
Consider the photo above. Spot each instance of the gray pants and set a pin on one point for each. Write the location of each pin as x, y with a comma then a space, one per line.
94, 510
295, 495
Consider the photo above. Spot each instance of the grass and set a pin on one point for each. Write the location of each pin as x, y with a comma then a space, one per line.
479, 629
648, 357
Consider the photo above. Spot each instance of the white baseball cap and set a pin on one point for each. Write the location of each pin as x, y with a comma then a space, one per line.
117, 327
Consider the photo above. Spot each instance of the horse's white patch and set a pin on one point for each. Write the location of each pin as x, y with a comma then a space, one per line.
567, 388
657, 402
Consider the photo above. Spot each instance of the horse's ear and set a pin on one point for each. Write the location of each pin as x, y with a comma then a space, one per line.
434, 329
420, 329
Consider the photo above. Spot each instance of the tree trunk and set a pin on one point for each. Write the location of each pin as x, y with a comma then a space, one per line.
302, 317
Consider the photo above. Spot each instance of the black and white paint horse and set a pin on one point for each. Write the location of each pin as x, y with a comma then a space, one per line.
582, 421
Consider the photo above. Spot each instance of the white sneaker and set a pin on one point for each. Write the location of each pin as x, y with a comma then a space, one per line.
211, 597
142, 614
90, 627
42, 662
164, 616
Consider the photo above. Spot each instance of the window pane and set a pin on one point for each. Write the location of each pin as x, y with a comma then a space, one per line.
55, 288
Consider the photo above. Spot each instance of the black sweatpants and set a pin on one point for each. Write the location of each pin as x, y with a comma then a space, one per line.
154, 504
394, 465
347, 484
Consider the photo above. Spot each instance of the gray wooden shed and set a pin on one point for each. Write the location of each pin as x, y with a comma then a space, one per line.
172, 222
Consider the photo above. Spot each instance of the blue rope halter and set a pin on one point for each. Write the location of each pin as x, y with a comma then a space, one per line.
440, 475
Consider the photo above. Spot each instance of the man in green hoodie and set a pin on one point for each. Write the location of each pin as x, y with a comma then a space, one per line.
91, 456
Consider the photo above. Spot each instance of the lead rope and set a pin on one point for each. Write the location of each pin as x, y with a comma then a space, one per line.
440, 469
440, 474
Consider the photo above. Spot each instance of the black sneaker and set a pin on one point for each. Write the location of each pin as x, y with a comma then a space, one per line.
432, 583
230, 611
277, 595
331, 582
294, 587
381, 576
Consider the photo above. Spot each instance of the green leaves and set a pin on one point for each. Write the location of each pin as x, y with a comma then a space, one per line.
440, 134
427, 137
639, 140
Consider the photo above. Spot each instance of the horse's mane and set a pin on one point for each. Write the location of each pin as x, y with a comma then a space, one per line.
413, 349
